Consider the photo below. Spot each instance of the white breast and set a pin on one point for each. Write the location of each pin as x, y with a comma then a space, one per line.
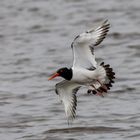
85, 76
81, 75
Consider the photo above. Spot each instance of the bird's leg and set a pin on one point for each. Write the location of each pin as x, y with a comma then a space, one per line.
102, 86
99, 82
97, 92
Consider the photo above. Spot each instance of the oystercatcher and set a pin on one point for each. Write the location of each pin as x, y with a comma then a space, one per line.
98, 78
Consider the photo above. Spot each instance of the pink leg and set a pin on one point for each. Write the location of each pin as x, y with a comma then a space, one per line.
98, 93
102, 85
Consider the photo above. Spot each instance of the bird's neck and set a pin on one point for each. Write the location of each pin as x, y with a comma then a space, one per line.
69, 74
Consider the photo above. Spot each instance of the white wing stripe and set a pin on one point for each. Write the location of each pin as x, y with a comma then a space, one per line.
83, 46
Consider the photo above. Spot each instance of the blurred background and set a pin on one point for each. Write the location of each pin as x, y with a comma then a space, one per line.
35, 39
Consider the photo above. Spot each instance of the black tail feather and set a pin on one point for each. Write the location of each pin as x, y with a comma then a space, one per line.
110, 75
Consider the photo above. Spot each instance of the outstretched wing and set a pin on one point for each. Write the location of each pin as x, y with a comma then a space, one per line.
83, 46
67, 91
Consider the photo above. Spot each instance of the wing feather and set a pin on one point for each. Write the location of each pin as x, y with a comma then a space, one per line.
67, 92
83, 46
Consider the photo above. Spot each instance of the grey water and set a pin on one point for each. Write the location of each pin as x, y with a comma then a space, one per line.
35, 39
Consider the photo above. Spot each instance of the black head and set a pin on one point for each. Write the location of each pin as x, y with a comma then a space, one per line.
63, 72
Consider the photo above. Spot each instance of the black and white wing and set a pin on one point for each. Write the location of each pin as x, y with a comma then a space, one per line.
83, 46
67, 91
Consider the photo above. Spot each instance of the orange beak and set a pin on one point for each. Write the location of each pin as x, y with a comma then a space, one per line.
53, 76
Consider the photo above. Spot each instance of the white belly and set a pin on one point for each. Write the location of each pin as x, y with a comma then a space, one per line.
84, 76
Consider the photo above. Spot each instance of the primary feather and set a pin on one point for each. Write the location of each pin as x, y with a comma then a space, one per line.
83, 46
67, 92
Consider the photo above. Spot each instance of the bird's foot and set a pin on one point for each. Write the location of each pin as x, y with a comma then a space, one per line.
95, 92
98, 91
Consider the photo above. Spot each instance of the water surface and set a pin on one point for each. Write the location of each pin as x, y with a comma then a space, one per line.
35, 38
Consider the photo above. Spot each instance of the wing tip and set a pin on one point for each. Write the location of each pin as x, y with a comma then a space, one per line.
103, 30
68, 97
106, 21
71, 113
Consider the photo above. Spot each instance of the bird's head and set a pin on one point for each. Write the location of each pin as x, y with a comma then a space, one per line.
63, 72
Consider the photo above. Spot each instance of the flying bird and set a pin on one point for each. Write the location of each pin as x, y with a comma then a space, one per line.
85, 71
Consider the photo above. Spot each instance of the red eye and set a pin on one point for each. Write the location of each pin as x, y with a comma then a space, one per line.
61, 71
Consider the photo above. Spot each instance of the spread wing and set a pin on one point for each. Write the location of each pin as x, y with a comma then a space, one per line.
83, 46
67, 91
